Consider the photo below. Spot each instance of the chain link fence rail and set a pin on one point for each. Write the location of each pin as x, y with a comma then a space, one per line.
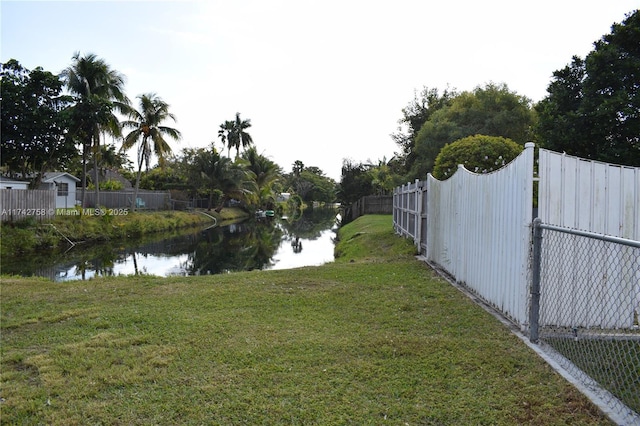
585, 303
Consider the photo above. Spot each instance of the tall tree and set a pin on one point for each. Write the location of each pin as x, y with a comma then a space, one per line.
149, 133
297, 168
34, 125
592, 108
383, 180
225, 134
356, 182
312, 185
414, 115
234, 134
98, 91
492, 110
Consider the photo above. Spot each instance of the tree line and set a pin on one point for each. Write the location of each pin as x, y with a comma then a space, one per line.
62, 122
592, 110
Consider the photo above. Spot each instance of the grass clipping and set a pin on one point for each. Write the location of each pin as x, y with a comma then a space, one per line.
373, 338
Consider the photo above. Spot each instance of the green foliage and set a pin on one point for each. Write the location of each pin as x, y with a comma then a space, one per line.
363, 241
383, 179
414, 115
149, 132
592, 105
356, 182
108, 185
266, 174
149, 129
161, 179
209, 174
16, 239
294, 203
98, 92
310, 183
34, 121
29, 236
479, 154
317, 187
493, 110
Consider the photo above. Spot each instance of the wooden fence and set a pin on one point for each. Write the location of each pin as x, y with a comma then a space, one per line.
151, 200
19, 204
372, 204
477, 228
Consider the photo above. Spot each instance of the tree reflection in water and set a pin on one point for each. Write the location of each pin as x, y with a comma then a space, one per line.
245, 246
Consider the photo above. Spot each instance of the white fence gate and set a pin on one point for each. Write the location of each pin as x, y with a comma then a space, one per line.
600, 198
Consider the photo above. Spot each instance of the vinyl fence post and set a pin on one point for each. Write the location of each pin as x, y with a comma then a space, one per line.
534, 310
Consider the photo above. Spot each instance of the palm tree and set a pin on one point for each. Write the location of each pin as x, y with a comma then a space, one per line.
234, 134
97, 90
217, 176
225, 134
147, 130
265, 173
233, 181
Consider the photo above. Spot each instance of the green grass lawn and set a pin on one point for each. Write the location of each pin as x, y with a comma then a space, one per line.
373, 338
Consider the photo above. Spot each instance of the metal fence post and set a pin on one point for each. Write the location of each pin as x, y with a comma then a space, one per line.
534, 310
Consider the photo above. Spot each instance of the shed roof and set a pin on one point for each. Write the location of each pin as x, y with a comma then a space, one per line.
49, 177
8, 180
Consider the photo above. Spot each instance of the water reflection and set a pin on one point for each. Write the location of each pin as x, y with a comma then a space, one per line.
255, 244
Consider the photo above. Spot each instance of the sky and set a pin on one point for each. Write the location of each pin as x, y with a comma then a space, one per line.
322, 81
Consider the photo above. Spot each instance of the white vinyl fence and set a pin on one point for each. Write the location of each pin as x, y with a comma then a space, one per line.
408, 209
599, 198
478, 230
573, 283
589, 195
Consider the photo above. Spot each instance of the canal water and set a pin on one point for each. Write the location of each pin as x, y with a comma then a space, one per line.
272, 243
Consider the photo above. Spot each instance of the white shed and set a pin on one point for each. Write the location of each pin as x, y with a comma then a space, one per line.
6, 183
65, 186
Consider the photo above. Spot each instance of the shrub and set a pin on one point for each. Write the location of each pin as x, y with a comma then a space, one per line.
478, 154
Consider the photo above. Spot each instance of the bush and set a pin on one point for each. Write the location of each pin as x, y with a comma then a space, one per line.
107, 185
478, 154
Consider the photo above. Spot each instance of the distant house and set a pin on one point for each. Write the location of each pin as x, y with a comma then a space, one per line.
6, 183
113, 175
65, 186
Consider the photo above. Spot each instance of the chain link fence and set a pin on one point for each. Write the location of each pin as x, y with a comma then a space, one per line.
584, 311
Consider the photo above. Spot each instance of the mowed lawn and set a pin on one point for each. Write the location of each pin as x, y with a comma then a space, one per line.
374, 338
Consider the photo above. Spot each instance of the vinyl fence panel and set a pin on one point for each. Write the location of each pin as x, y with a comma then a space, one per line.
589, 195
149, 200
407, 202
479, 232
599, 198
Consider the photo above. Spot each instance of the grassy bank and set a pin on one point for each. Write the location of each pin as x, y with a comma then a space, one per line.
373, 338
29, 235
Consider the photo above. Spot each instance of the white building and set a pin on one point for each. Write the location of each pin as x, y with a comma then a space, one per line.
65, 186
6, 183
